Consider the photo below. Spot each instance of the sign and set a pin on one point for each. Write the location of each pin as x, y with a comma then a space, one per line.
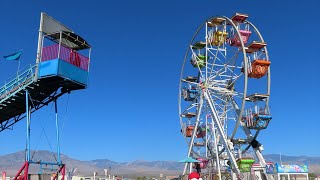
270, 168
292, 168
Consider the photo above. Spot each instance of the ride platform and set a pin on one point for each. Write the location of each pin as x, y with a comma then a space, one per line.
53, 81
61, 70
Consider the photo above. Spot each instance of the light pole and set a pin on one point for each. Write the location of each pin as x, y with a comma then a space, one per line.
94, 175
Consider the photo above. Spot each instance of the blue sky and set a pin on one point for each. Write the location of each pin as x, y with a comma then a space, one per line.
130, 110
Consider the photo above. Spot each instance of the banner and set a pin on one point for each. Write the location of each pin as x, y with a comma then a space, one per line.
292, 168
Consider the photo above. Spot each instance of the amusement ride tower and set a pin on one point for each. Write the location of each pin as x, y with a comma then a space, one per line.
62, 66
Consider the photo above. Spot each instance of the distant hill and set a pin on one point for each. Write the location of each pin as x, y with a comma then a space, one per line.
292, 159
12, 162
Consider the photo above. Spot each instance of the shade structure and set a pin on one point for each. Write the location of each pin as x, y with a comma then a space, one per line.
188, 160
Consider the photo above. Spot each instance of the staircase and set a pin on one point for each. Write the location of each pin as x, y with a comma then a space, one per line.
42, 91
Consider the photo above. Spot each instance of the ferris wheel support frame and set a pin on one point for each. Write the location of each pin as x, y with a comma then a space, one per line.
217, 154
215, 120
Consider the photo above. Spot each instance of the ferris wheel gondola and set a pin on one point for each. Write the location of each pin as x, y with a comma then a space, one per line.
224, 92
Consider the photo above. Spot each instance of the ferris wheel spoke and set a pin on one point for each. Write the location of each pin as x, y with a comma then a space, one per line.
224, 109
191, 106
224, 112
218, 52
223, 72
214, 61
217, 61
217, 73
222, 91
234, 76
216, 97
231, 83
233, 59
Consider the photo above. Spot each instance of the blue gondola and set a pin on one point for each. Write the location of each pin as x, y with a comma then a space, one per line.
189, 94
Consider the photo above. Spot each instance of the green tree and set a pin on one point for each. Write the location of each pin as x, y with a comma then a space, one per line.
312, 175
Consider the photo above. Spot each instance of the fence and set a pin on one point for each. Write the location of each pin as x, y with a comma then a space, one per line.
65, 54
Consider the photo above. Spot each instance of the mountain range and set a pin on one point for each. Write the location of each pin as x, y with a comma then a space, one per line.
11, 163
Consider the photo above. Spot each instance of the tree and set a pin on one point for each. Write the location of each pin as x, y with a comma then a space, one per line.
312, 175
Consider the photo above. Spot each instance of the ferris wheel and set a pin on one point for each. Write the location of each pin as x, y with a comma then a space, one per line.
224, 93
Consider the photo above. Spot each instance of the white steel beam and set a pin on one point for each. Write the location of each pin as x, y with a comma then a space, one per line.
215, 120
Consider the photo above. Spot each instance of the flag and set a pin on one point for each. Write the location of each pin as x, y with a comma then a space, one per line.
14, 56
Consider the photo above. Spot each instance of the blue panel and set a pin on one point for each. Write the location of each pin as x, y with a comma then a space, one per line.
58, 67
72, 72
48, 68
